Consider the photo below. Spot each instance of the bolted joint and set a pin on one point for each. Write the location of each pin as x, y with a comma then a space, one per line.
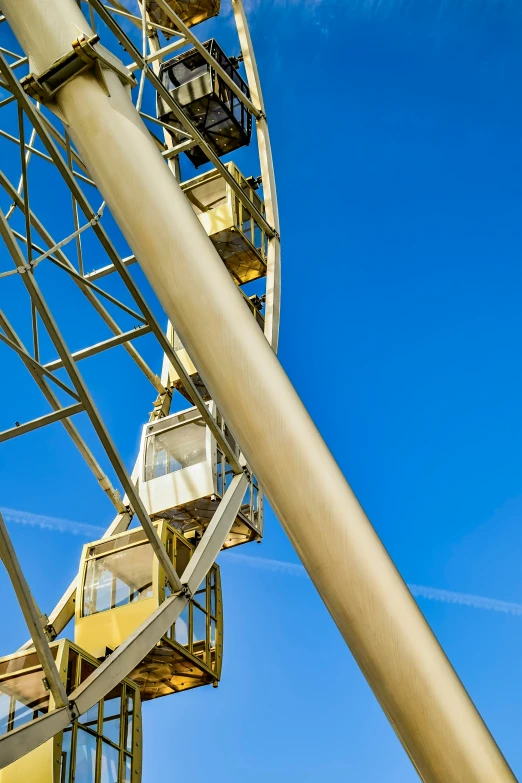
97, 216
186, 592
235, 61
86, 55
72, 709
50, 632
45, 86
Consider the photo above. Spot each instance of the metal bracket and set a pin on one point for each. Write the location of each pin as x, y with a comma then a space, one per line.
50, 632
162, 405
186, 592
86, 55
74, 712
48, 629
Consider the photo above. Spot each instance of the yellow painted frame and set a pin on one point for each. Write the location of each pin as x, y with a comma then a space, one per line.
44, 764
109, 628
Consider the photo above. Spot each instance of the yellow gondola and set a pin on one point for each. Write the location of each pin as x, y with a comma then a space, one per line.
105, 743
121, 584
191, 12
237, 236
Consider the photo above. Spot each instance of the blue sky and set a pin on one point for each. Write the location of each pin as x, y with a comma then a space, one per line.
396, 129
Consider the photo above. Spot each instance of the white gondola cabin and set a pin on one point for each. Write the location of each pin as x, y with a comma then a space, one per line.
184, 474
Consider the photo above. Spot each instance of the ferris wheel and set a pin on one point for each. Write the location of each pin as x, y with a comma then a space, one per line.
137, 175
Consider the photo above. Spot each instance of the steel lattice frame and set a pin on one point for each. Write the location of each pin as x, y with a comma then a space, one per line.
33, 247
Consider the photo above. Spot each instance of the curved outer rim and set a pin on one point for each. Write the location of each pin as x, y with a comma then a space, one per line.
273, 277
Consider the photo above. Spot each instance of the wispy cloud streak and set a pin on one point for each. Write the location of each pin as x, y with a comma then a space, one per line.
466, 599
50, 523
419, 591
266, 564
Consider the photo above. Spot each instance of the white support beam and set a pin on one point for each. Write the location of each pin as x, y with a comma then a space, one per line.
407, 669
19, 742
104, 345
159, 54
78, 441
128, 655
138, 645
96, 274
41, 421
31, 616
85, 397
216, 533
88, 293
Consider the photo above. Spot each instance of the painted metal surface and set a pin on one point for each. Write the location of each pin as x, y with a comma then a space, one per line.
408, 671
184, 478
23, 740
273, 280
121, 585
32, 616
105, 743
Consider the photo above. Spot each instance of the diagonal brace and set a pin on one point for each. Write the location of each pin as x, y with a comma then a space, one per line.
88, 403
135, 648
36, 365
42, 421
108, 246
31, 616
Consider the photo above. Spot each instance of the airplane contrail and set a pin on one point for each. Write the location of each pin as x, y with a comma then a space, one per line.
466, 599
51, 523
266, 564
419, 591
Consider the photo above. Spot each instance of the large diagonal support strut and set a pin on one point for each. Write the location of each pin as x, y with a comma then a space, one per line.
407, 669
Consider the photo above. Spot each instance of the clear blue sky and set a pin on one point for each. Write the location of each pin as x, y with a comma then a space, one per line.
397, 134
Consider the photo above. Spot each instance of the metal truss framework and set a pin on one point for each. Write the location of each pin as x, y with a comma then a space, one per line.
419, 691
21, 741
35, 245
